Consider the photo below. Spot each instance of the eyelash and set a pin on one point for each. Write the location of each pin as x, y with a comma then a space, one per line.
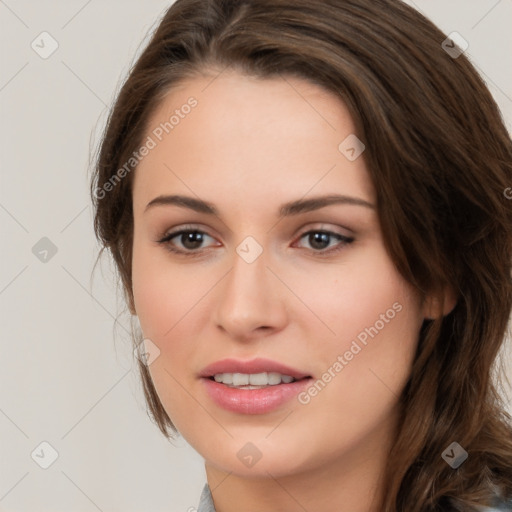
166, 241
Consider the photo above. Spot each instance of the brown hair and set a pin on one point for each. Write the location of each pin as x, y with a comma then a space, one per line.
440, 159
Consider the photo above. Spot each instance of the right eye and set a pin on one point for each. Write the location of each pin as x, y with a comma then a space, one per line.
185, 241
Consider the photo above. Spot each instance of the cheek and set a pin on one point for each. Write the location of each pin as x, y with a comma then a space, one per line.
371, 358
166, 298
350, 297
364, 368
173, 306
374, 317
165, 293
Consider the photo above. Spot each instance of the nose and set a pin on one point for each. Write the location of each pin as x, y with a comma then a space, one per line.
250, 301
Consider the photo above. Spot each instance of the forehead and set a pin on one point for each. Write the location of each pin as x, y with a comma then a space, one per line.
252, 138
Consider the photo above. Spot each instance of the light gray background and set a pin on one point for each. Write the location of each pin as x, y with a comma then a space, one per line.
67, 377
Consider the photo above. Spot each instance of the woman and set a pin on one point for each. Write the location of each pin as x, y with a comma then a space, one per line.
306, 205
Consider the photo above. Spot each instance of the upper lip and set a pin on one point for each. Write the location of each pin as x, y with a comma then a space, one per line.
258, 365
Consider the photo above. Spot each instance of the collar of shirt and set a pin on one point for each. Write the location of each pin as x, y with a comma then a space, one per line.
206, 503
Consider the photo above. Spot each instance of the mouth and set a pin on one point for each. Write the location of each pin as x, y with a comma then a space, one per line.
252, 387
258, 372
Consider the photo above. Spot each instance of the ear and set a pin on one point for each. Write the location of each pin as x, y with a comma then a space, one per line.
441, 303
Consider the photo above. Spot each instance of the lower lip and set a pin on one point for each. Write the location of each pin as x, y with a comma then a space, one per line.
253, 401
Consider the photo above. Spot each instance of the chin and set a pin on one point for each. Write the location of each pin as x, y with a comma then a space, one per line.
257, 458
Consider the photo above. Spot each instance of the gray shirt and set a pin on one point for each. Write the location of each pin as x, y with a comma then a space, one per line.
206, 501
206, 504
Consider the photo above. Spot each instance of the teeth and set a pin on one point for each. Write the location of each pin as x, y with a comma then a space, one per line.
252, 379
258, 379
274, 378
226, 378
240, 379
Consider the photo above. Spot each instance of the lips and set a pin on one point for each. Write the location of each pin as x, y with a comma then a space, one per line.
252, 399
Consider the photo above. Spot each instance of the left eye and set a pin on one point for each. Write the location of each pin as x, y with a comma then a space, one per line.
321, 240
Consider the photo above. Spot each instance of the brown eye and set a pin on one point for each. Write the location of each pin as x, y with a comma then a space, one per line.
191, 239
319, 241
186, 240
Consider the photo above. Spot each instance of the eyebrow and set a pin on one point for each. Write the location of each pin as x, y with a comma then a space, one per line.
287, 209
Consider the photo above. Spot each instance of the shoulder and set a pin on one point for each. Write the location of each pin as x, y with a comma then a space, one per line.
501, 507
498, 505
206, 504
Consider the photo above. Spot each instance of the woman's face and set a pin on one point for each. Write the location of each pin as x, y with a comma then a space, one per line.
281, 269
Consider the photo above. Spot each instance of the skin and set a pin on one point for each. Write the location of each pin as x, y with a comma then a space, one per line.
249, 146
